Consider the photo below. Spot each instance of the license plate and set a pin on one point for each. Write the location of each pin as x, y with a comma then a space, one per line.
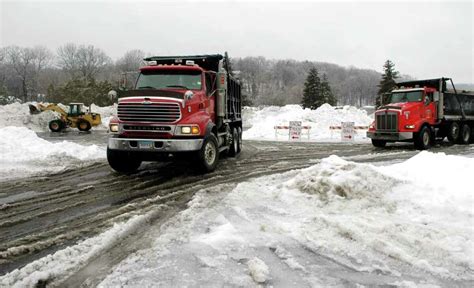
145, 144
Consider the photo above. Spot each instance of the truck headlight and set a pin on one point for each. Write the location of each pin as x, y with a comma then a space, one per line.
114, 127
185, 130
410, 126
188, 130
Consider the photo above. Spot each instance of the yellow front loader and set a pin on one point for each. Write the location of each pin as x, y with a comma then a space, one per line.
77, 117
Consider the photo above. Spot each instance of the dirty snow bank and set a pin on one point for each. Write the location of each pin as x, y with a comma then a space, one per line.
23, 153
261, 121
334, 223
17, 114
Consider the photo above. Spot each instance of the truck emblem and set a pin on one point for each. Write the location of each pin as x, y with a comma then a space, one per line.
146, 102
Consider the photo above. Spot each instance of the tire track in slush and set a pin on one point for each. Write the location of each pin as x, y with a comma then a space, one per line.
66, 207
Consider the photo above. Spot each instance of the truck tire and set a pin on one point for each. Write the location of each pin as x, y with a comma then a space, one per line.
208, 156
234, 145
239, 130
453, 132
83, 125
56, 125
423, 139
465, 137
379, 143
123, 161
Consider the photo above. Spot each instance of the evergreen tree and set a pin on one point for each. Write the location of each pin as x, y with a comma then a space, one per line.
387, 83
326, 92
312, 90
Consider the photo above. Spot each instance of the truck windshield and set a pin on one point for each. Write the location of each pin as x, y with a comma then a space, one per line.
412, 96
169, 80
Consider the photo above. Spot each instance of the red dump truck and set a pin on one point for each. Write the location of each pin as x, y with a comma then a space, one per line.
181, 107
421, 111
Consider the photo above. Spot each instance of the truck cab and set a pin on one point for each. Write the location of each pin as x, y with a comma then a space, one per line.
180, 105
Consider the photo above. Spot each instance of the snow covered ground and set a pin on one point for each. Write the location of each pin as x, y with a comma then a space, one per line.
260, 122
18, 115
23, 153
337, 222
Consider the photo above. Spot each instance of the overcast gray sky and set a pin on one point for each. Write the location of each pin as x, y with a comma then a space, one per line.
423, 39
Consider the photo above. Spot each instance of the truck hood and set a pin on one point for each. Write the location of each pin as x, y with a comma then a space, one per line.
154, 92
401, 106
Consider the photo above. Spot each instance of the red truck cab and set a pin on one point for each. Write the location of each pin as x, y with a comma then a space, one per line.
174, 110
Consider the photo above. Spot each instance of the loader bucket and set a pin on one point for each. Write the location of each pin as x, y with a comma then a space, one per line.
34, 109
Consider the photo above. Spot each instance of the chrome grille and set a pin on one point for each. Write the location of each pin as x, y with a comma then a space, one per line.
387, 122
155, 112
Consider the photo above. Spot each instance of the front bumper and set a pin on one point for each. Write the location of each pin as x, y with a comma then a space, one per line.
390, 136
157, 145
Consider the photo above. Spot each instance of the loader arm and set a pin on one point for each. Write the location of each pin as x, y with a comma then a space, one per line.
50, 107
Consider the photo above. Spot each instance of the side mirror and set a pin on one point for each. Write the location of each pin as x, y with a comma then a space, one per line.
112, 95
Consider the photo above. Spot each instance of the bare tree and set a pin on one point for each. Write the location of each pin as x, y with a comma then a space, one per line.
130, 61
27, 63
82, 61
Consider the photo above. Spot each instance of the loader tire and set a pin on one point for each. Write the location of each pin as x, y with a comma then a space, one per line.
56, 125
123, 161
83, 125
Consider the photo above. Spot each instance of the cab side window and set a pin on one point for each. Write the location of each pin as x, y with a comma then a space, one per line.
210, 83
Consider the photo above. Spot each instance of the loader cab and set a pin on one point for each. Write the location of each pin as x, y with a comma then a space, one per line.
76, 109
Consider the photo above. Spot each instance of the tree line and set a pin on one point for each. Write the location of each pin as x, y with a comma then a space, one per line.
85, 73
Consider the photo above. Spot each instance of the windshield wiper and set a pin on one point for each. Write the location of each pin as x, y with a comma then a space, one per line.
177, 86
146, 87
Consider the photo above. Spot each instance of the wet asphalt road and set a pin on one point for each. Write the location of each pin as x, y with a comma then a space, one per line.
40, 215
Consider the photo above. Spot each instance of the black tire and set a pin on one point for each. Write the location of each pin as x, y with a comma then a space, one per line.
423, 139
239, 130
208, 156
234, 144
123, 161
465, 137
453, 132
379, 143
56, 125
83, 125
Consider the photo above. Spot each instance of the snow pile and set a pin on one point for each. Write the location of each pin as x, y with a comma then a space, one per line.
262, 121
330, 224
334, 223
24, 153
18, 114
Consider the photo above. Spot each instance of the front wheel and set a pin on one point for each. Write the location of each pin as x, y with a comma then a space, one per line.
208, 156
423, 139
123, 161
379, 143
56, 125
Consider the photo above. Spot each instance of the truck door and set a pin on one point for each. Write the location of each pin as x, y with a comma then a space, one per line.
211, 91
429, 112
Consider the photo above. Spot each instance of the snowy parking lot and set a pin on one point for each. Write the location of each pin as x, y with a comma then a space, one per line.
283, 214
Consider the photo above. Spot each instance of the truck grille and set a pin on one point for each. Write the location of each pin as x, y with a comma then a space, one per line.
387, 122
155, 112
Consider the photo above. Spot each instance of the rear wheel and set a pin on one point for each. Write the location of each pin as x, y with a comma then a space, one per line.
453, 132
234, 145
239, 130
56, 125
208, 156
123, 161
83, 125
379, 143
423, 139
465, 137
